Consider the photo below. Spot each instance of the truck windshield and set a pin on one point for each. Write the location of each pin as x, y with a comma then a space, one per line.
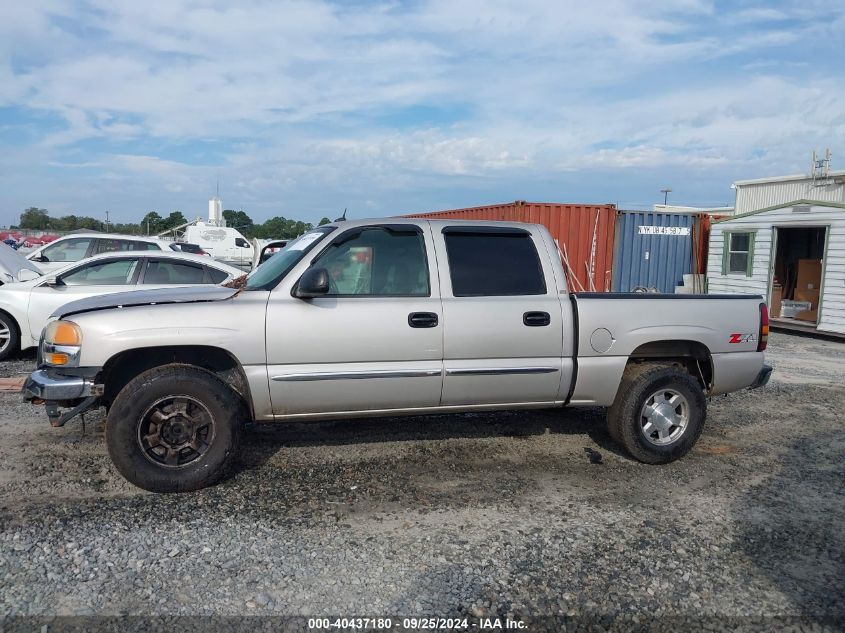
268, 274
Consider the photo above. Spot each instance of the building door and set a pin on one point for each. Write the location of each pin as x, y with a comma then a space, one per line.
797, 273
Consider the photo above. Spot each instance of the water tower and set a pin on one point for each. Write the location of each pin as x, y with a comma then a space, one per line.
215, 212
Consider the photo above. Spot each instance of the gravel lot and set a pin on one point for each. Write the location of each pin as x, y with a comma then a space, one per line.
476, 514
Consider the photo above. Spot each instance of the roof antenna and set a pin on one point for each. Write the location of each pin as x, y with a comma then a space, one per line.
341, 218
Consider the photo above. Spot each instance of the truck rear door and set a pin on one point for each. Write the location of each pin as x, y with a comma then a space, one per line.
503, 332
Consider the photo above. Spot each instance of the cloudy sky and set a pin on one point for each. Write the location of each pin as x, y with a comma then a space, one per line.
303, 108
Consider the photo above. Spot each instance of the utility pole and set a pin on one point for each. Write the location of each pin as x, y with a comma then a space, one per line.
665, 193
107, 221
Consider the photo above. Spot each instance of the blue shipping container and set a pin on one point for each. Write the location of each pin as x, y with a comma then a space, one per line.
652, 250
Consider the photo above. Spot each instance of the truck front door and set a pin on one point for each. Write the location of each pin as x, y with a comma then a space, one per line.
375, 341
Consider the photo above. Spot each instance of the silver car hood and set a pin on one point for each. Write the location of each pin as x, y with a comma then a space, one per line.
196, 294
12, 263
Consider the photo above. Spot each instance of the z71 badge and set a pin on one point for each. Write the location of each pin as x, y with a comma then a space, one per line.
743, 338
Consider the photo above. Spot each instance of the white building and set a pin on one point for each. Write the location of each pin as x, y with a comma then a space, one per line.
763, 193
792, 251
215, 212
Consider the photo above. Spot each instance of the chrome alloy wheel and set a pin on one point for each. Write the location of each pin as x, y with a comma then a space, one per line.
5, 336
176, 431
664, 417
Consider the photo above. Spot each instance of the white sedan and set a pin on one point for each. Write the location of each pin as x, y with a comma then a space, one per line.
25, 306
75, 247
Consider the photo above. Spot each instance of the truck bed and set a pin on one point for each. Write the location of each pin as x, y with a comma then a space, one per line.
611, 327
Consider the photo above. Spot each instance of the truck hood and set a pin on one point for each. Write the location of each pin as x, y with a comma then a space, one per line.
196, 294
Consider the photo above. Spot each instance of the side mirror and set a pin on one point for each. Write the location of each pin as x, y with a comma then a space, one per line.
313, 283
39, 258
27, 275
53, 281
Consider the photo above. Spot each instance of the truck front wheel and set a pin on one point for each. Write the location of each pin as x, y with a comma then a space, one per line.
174, 428
658, 414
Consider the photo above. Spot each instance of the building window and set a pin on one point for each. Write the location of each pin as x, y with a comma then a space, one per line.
739, 253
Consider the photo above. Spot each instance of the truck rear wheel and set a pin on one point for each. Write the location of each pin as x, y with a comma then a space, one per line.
174, 428
658, 414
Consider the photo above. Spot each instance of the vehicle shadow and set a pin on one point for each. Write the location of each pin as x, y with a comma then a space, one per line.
263, 440
28, 354
791, 526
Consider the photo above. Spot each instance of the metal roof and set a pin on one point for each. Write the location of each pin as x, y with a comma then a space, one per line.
812, 203
762, 181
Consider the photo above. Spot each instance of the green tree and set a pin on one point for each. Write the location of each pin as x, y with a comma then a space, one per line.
152, 223
84, 222
300, 227
39, 220
35, 219
126, 228
66, 223
173, 220
239, 220
282, 228
324, 221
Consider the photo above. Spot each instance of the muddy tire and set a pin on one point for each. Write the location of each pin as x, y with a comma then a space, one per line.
175, 428
10, 338
658, 414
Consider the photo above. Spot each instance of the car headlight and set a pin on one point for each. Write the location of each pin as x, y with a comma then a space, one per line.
62, 344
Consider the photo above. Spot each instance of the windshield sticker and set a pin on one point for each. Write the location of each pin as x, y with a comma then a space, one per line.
305, 241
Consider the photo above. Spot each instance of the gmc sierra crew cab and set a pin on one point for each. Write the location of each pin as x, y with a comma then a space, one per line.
384, 318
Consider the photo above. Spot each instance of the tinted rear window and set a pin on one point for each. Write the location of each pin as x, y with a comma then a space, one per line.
145, 246
187, 248
217, 276
495, 264
173, 272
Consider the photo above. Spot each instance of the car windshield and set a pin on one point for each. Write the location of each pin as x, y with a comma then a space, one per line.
270, 272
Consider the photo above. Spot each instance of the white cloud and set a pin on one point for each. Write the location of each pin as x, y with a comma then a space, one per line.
759, 14
301, 97
191, 71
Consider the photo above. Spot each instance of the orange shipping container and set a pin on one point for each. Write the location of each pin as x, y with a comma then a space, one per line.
584, 233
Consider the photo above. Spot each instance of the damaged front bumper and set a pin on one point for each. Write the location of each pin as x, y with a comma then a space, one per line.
56, 391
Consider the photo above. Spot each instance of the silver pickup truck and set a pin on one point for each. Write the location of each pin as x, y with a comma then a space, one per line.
382, 318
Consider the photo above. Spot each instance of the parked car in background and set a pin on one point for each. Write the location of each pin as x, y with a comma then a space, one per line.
25, 306
265, 249
221, 242
186, 247
14, 236
390, 317
77, 246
